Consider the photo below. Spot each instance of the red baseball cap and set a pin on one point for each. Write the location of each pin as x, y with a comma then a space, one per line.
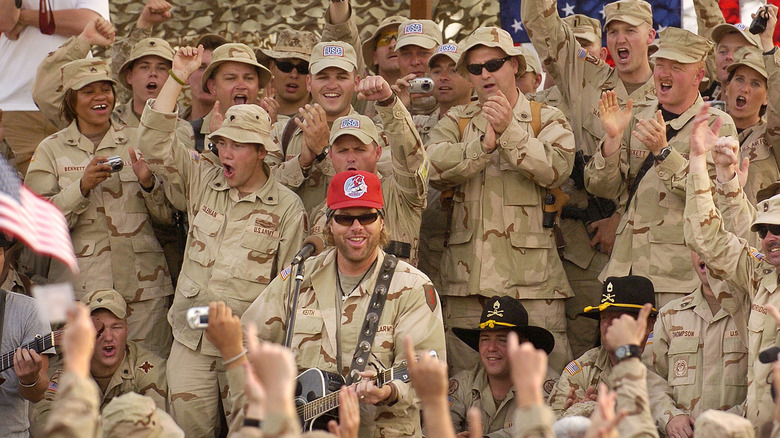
355, 188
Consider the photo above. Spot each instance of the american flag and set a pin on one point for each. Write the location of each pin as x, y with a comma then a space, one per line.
38, 223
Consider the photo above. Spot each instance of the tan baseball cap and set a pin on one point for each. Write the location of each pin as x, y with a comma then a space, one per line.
369, 44
532, 63
719, 424
133, 415
749, 56
584, 27
682, 46
290, 44
768, 213
234, 52
490, 37
423, 33
75, 75
108, 299
332, 54
450, 50
355, 125
246, 123
723, 29
633, 12
146, 47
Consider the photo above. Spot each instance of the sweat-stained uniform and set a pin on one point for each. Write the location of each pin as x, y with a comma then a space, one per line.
497, 244
234, 248
327, 327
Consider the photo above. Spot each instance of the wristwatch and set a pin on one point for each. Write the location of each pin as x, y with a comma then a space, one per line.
663, 154
322, 155
627, 351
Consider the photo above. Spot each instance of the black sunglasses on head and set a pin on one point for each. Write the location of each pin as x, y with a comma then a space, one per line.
287, 67
763, 228
491, 66
347, 220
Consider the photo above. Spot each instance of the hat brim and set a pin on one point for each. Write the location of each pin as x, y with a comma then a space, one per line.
357, 133
631, 21
541, 338
423, 41
241, 136
269, 54
436, 56
122, 76
369, 45
514, 52
86, 81
322, 64
263, 73
595, 312
675, 55
760, 69
349, 203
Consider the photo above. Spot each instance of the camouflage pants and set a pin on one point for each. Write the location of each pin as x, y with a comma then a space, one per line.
24, 130
196, 382
465, 312
583, 332
148, 324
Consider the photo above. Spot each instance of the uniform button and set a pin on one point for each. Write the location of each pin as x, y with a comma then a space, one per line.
218, 184
270, 198
662, 174
523, 116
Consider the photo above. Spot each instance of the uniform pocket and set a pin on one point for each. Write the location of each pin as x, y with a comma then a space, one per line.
257, 259
528, 263
203, 244
734, 362
683, 361
187, 287
518, 190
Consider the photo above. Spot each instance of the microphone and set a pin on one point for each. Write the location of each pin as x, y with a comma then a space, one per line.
312, 245
769, 355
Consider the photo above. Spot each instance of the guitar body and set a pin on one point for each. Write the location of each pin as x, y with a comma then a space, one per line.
314, 384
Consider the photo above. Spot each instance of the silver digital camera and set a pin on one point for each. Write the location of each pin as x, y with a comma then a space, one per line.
115, 163
198, 317
420, 85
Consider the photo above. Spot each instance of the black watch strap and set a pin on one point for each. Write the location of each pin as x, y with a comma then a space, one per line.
627, 351
322, 155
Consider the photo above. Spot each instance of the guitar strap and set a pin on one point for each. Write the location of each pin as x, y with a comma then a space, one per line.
375, 308
2, 314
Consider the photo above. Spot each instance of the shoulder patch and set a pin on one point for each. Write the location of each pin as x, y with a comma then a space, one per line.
453, 387
430, 296
35, 152
195, 156
53, 387
649, 340
756, 254
582, 54
450, 400
573, 368
548, 386
284, 273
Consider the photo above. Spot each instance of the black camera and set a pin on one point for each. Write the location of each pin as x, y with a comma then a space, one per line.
758, 25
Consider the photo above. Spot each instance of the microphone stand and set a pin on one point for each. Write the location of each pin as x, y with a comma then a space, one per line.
294, 306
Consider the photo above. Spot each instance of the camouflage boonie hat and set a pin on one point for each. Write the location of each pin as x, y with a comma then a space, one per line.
234, 52
77, 74
768, 213
332, 54
108, 299
290, 44
490, 37
450, 50
146, 47
723, 29
134, 415
532, 63
626, 294
584, 27
682, 46
633, 12
356, 125
423, 33
719, 424
246, 123
751, 57
369, 44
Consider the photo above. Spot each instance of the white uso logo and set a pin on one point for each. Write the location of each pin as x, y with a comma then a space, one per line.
413, 28
332, 51
350, 123
448, 48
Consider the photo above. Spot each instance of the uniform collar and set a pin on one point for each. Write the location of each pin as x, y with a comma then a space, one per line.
117, 133
482, 386
700, 306
267, 194
126, 115
687, 115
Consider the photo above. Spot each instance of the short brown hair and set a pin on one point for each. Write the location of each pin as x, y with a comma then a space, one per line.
210, 41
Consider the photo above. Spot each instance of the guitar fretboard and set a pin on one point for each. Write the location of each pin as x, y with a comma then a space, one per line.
39, 344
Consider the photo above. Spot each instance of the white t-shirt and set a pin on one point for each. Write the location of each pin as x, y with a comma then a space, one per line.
19, 59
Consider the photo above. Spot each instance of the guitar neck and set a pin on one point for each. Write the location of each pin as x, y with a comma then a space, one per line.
39, 344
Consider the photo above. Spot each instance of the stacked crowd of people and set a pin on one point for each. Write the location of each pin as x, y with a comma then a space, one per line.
598, 258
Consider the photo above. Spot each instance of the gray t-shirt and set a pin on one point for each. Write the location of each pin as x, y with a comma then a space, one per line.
20, 325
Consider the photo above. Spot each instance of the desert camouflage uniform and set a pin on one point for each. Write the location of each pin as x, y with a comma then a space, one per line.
412, 309
234, 248
471, 388
405, 190
709, 15
534, 422
753, 284
649, 239
77, 407
120, 52
552, 97
110, 228
141, 371
701, 357
497, 216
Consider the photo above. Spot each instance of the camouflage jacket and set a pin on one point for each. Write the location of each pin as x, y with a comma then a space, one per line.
405, 191
700, 356
753, 283
327, 328
235, 245
709, 15
649, 239
587, 370
77, 404
534, 422
498, 202
110, 228
141, 371
580, 76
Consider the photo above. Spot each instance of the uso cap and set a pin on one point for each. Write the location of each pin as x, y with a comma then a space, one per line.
355, 188
234, 52
624, 294
584, 27
77, 74
633, 12
423, 33
356, 125
682, 46
749, 56
723, 29
332, 54
145, 47
490, 37
290, 44
108, 299
768, 213
135, 415
450, 50
246, 123
369, 44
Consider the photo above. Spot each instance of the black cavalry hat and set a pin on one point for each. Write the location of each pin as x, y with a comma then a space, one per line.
624, 294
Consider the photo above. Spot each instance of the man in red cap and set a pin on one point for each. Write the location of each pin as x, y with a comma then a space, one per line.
336, 304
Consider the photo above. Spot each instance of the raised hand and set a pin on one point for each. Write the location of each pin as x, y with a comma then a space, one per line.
98, 32
154, 12
187, 61
652, 132
613, 119
316, 134
141, 169
373, 88
498, 112
529, 369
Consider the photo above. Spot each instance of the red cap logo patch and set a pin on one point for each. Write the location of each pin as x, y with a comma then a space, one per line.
355, 186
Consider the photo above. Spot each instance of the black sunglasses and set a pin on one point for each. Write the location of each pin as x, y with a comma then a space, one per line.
491, 66
347, 220
763, 228
287, 67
